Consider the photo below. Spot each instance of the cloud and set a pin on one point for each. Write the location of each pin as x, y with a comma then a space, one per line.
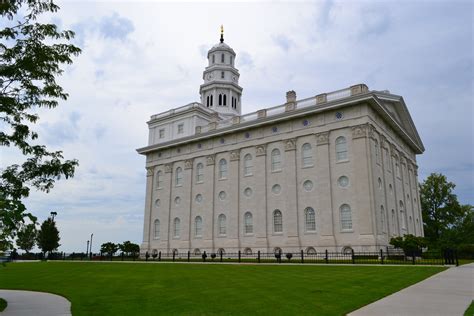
244, 60
283, 42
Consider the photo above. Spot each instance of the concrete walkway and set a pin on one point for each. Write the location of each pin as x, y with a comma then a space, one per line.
447, 293
26, 303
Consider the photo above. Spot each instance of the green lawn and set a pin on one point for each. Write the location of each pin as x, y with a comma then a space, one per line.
211, 289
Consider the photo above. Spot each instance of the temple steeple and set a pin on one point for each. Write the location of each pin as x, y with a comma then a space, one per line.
220, 90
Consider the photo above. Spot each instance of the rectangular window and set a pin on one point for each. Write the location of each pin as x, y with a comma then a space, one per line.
222, 58
180, 128
222, 75
231, 60
162, 133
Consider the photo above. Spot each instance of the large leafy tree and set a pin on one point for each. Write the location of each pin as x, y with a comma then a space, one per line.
31, 56
48, 236
442, 213
109, 248
27, 237
129, 248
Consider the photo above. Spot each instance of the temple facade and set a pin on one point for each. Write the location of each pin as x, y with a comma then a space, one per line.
334, 171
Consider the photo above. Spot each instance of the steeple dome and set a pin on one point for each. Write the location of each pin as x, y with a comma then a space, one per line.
220, 90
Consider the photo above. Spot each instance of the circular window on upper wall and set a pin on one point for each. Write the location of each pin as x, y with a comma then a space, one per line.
177, 200
343, 181
222, 195
248, 192
308, 185
157, 203
339, 115
276, 189
199, 198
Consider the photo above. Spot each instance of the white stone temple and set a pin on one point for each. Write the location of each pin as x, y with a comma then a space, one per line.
334, 171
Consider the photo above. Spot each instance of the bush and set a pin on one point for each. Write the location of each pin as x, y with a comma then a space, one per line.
289, 256
213, 256
465, 251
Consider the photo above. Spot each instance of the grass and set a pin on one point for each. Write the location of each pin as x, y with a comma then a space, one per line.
207, 289
470, 310
3, 304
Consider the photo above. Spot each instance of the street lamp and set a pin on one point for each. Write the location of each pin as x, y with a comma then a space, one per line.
53, 214
91, 246
87, 251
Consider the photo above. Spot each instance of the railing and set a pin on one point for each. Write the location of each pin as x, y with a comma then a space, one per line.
302, 257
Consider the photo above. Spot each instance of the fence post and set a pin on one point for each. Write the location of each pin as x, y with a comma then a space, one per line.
174, 254
189, 255
258, 256
159, 256
456, 257
239, 256
111, 255
279, 257
381, 255
101, 257
302, 256
220, 253
352, 255
204, 256
326, 257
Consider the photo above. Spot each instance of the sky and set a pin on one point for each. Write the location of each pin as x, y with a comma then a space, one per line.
143, 58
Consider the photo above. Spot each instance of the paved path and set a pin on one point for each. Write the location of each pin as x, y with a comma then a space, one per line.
447, 293
26, 303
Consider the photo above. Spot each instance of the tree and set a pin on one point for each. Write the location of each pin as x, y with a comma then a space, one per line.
26, 239
129, 248
48, 236
31, 56
440, 207
109, 248
409, 243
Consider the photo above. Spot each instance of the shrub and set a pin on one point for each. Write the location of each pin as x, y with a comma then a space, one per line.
289, 256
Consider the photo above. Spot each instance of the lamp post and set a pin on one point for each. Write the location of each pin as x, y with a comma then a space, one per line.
91, 246
87, 249
53, 214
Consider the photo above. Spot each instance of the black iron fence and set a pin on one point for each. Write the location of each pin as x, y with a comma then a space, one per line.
447, 257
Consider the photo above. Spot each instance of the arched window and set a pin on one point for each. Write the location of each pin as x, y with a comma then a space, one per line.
199, 173
397, 167
277, 222
402, 215
248, 251
222, 225
310, 251
198, 226
179, 176
197, 252
222, 75
220, 99
213, 58
222, 58
276, 159
382, 218
225, 100
212, 98
346, 217
157, 229
230, 60
393, 222
176, 227
376, 150
159, 179
248, 223
207, 101
306, 155
309, 220
248, 165
341, 148
222, 169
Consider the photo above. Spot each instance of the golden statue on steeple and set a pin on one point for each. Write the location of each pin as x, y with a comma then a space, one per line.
222, 33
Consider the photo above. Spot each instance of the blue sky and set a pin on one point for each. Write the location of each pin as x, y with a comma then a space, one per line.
142, 58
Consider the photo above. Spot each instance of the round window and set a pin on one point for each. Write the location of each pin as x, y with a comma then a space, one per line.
199, 198
222, 195
248, 192
157, 203
343, 181
308, 185
177, 200
276, 189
